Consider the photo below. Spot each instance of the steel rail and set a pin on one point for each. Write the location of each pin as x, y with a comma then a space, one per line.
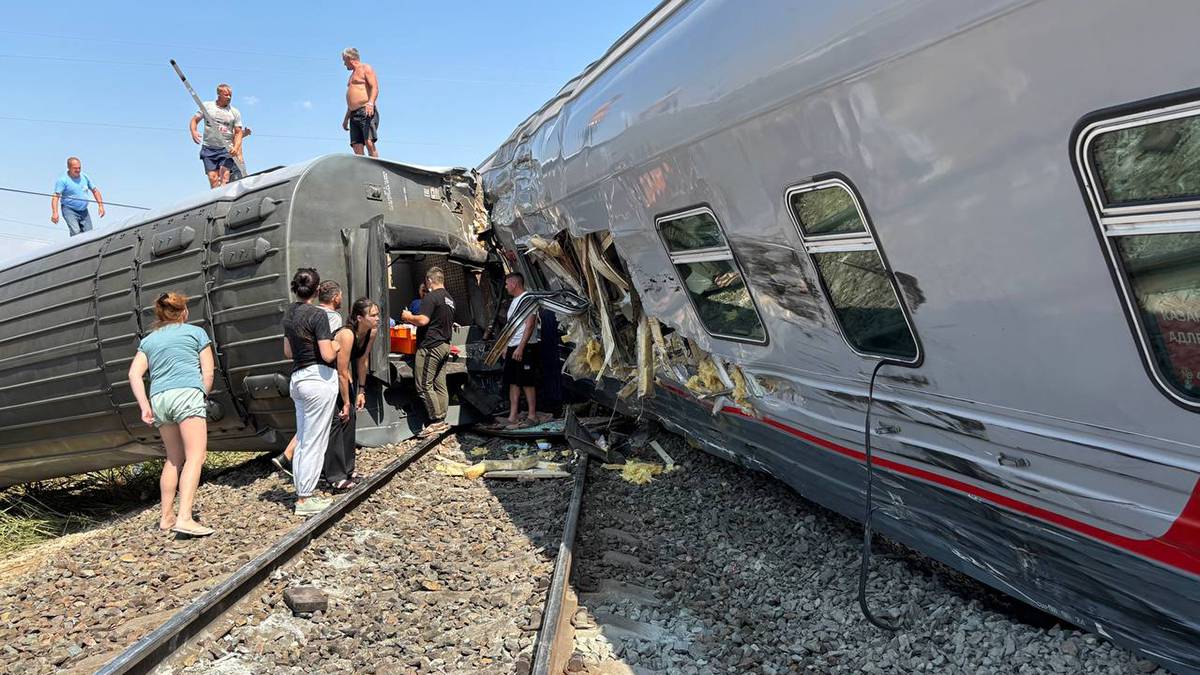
150, 651
548, 650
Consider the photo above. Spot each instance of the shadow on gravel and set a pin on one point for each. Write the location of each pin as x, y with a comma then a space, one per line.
37, 512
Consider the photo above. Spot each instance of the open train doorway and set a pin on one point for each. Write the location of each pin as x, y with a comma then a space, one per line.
476, 289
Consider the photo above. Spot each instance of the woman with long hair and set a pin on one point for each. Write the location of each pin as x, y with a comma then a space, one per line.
308, 342
354, 342
179, 357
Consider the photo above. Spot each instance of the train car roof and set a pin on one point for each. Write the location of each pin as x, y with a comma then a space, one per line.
576, 85
231, 192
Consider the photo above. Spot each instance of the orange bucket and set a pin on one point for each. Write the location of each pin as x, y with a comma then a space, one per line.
403, 339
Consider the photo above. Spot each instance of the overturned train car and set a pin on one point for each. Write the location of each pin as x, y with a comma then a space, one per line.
71, 318
997, 198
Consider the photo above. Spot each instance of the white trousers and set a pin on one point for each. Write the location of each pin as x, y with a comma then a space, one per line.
314, 389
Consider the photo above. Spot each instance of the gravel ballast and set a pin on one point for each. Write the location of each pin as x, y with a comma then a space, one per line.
714, 568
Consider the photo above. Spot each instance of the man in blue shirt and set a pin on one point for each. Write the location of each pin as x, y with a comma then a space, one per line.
73, 189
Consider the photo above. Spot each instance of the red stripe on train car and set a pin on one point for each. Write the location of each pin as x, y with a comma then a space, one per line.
1179, 547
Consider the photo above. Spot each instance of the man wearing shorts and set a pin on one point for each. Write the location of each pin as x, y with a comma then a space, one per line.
521, 358
222, 138
362, 117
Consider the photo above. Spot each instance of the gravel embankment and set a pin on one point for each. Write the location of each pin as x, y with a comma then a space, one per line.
717, 569
432, 573
81, 605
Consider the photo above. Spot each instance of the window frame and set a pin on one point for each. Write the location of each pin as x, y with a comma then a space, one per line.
710, 254
866, 240
1155, 217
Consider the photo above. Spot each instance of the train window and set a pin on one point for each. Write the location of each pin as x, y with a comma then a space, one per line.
711, 276
690, 233
855, 277
1149, 162
1142, 184
825, 211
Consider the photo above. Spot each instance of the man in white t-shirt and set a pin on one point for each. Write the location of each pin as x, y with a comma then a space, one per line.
521, 360
222, 136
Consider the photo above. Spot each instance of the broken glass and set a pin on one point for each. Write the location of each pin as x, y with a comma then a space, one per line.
692, 232
1149, 163
825, 211
865, 303
722, 299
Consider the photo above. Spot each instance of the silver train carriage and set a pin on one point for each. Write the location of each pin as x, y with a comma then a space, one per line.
71, 317
1001, 198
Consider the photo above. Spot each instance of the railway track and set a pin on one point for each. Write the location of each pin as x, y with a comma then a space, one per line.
385, 577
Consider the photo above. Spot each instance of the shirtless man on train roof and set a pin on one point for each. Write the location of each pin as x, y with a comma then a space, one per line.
362, 116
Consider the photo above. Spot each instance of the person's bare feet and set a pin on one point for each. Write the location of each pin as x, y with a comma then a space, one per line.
165, 523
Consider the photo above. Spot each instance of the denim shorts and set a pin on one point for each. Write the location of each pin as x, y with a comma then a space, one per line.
176, 405
215, 158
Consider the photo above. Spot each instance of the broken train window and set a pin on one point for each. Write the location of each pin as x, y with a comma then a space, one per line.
857, 281
1141, 180
709, 272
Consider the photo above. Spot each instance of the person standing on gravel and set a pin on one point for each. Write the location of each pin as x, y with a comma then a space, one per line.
435, 327
329, 299
179, 357
308, 342
521, 359
354, 342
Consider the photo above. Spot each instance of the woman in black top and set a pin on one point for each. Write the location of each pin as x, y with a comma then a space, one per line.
309, 343
354, 342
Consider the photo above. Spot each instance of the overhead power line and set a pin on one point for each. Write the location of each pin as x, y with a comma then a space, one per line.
22, 237
181, 129
56, 228
277, 71
51, 194
137, 43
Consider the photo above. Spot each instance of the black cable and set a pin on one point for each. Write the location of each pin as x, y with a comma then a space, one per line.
93, 201
869, 507
176, 130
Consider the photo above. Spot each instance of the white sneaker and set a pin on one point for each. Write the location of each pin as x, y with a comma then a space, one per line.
312, 505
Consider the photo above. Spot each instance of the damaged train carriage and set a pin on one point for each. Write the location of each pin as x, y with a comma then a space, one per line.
762, 205
71, 317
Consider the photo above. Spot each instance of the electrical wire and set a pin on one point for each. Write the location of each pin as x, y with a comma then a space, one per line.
56, 228
869, 504
222, 49
277, 71
22, 237
93, 201
140, 127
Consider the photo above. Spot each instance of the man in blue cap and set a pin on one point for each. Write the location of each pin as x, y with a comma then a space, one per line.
74, 189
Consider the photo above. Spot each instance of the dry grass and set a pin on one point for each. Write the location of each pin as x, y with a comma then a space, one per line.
33, 513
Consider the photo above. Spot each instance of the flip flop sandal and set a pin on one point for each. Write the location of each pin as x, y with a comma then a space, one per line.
520, 424
202, 532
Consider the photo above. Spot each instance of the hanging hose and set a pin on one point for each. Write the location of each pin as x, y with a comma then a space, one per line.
869, 508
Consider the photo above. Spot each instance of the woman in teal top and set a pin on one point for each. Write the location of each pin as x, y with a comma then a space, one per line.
180, 360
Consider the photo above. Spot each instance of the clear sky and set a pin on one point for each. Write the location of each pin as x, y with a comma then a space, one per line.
93, 80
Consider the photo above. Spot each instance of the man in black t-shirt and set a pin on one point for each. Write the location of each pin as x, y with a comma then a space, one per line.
435, 325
